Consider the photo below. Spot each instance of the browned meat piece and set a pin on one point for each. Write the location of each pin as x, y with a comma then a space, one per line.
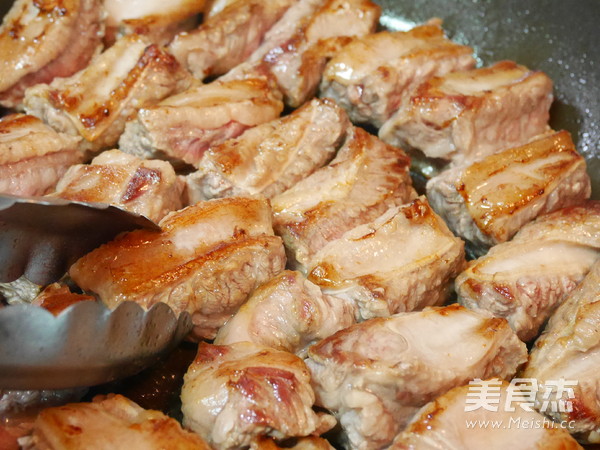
214, 7
33, 156
207, 260
374, 76
271, 157
525, 280
234, 394
108, 423
487, 202
464, 116
304, 443
366, 178
96, 102
287, 313
403, 261
568, 350
158, 20
377, 374
146, 187
228, 38
56, 298
181, 128
44, 39
444, 424
297, 50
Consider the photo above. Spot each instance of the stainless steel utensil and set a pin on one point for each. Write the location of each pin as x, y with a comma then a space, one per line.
88, 343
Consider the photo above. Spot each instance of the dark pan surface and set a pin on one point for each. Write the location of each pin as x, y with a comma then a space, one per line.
562, 38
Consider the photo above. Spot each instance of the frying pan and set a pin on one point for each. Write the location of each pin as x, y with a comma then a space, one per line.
561, 38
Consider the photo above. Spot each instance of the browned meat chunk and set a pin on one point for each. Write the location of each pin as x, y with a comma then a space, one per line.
296, 51
56, 298
96, 102
444, 423
365, 179
108, 423
374, 76
33, 156
464, 116
568, 350
228, 38
207, 260
287, 313
376, 375
44, 39
146, 187
487, 202
234, 394
157, 20
526, 279
271, 157
403, 261
181, 128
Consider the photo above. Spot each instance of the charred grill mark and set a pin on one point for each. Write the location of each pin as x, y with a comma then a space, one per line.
140, 182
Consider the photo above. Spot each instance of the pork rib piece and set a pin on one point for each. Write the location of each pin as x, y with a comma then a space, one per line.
298, 47
271, 157
488, 201
107, 423
464, 116
524, 280
444, 423
374, 76
157, 20
403, 261
146, 187
234, 394
96, 102
44, 39
375, 375
181, 128
228, 38
33, 156
365, 179
207, 260
569, 349
57, 297
288, 313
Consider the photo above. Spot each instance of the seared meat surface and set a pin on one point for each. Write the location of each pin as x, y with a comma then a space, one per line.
526, 279
234, 394
297, 48
365, 179
569, 349
375, 375
288, 313
182, 127
207, 260
157, 20
403, 261
488, 201
464, 116
271, 157
375, 75
443, 423
228, 38
33, 156
146, 187
44, 39
57, 297
108, 423
96, 102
